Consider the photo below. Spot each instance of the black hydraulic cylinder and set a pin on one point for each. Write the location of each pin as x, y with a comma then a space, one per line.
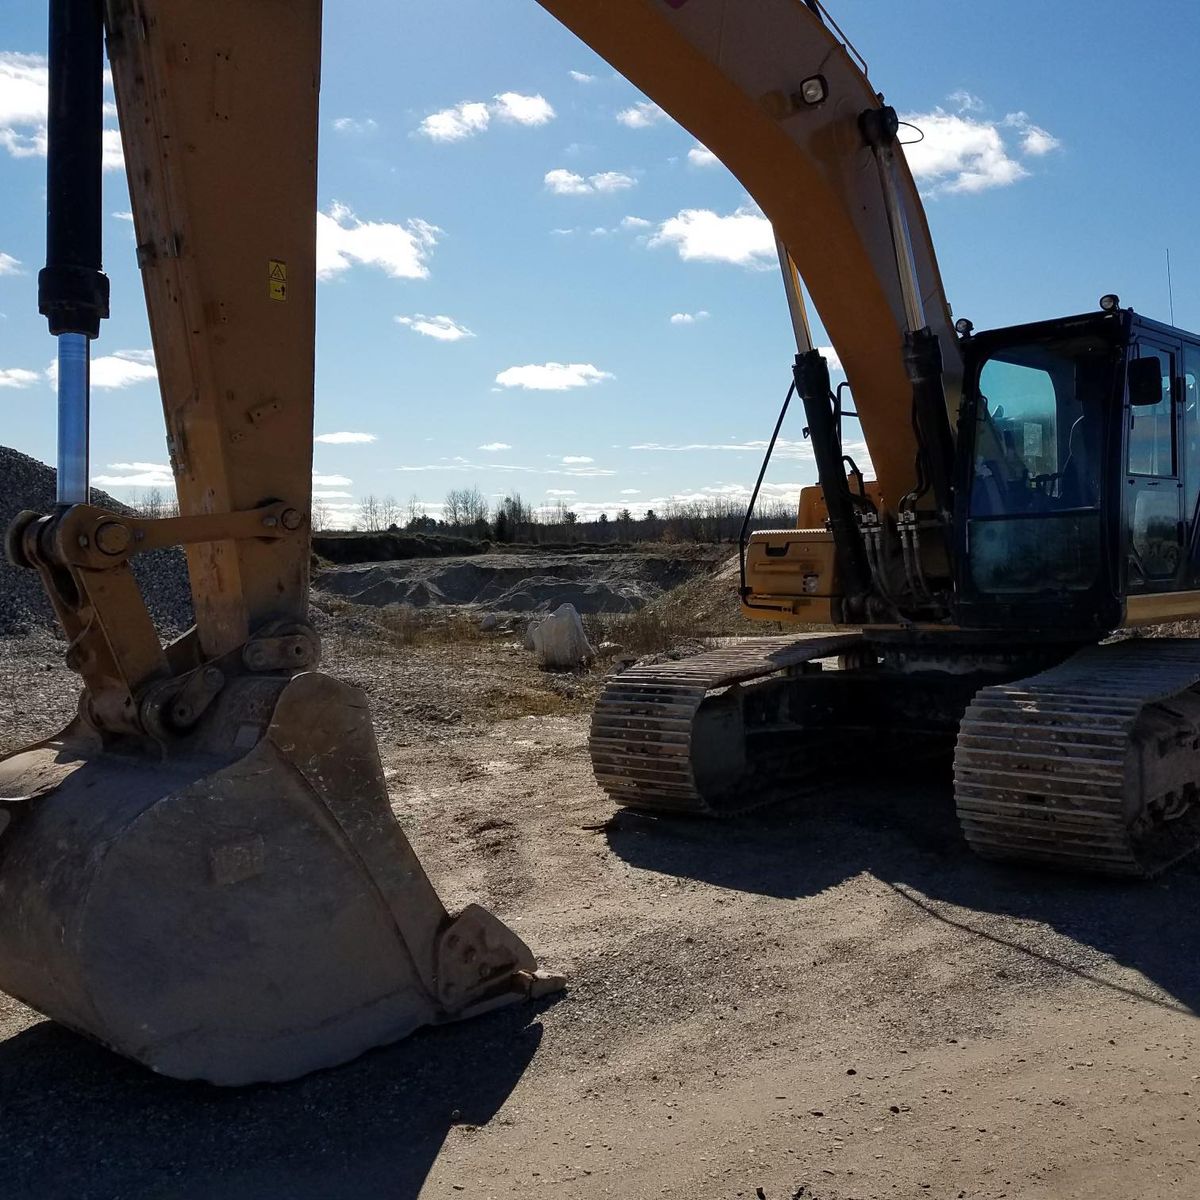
812, 383
73, 289
923, 362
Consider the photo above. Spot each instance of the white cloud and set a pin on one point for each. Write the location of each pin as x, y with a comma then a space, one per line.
831, 357
744, 237
576, 458
122, 369
124, 215
355, 125
566, 183
399, 250
611, 181
641, 115
582, 77
10, 265
961, 153
683, 318
137, 474
560, 492
441, 329
702, 156
523, 110
18, 377
635, 223
113, 153
492, 447
454, 124
24, 86
331, 480
552, 376
474, 116
327, 495
24, 80
345, 439
467, 466
785, 448
1035, 141
631, 491
965, 101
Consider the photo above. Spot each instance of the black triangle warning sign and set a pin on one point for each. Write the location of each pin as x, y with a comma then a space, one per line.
278, 272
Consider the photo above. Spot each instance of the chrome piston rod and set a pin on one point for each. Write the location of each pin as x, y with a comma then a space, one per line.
74, 417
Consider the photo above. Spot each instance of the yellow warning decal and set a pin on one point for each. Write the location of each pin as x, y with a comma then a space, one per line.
277, 279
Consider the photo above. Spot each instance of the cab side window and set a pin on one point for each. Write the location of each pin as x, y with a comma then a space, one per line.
1152, 427
1191, 428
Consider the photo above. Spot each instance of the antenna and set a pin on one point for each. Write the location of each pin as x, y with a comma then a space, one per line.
1170, 290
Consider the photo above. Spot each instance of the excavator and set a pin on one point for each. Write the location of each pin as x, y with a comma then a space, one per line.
203, 872
1035, 491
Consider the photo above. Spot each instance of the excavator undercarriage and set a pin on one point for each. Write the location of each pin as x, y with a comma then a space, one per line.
1089, 764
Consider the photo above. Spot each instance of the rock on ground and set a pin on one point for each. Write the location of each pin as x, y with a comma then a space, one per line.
560, 642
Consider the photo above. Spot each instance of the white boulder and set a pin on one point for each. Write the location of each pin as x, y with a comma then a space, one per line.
559, 640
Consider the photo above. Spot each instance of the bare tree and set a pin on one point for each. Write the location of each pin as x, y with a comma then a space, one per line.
475, 507
320, 515
155, 505
389, 512
454, 509
370, 513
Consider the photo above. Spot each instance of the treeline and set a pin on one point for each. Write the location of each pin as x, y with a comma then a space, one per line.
467, 513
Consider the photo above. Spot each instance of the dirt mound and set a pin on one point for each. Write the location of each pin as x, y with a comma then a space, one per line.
593, 583
26, 483
383, 547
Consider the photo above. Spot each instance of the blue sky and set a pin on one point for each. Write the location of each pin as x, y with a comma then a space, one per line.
506, 237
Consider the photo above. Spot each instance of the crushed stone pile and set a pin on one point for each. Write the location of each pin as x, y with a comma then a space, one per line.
162, 574
591, 583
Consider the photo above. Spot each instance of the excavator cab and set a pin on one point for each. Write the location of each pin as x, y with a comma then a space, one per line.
1079, 465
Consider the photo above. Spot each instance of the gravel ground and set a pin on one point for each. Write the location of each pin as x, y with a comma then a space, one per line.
832, 1001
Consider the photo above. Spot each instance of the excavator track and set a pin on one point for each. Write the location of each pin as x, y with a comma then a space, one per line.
1093, 765
656, 745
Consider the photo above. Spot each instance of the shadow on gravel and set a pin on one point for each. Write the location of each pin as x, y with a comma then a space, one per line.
79, 1122
904, 832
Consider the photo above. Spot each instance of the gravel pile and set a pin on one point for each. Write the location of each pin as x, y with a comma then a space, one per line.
162, 574
593, 583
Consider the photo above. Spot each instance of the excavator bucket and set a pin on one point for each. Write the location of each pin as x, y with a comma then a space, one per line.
203, 871
245, 909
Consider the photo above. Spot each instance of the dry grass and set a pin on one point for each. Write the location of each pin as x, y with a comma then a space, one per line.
404, 625
700, 610
649, 630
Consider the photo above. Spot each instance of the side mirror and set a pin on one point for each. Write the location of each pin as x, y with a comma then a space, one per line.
1146, 382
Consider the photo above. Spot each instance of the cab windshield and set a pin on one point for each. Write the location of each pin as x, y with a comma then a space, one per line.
1034, 503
